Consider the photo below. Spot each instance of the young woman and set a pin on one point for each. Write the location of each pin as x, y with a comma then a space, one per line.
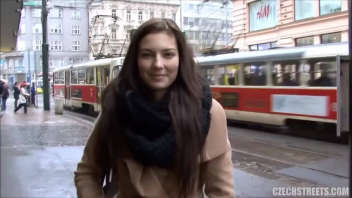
159, 129
22, 98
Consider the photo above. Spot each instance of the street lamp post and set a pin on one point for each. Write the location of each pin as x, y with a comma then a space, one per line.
45, 49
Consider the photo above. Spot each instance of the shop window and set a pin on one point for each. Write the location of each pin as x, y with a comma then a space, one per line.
331, 38
263, 46
304, 41
304, 9
329, 6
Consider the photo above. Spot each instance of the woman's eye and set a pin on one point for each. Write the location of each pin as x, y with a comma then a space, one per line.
145, 54
169, 55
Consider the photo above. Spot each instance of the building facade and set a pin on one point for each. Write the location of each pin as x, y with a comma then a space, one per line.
111, 22
265, 24
67, 36
207, 24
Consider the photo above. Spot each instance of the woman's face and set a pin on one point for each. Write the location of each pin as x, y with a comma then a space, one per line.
158, 62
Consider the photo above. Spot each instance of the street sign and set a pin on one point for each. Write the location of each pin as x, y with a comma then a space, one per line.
32, 3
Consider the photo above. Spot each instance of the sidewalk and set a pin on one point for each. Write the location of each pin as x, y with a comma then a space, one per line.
39, 152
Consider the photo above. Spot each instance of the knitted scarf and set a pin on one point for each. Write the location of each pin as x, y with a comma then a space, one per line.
150, 134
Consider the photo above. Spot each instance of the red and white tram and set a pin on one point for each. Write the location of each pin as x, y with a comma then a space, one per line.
81, 85
283, 87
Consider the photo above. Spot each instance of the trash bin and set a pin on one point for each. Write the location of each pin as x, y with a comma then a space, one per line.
59, 106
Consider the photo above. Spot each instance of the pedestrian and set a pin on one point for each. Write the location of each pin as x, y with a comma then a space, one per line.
23, 99
16, 93
33, 94
4, 94
159, 133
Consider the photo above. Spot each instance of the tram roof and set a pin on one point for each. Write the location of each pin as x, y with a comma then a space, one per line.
92, 63
292, 53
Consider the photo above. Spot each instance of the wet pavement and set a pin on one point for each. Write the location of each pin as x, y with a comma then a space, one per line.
40, 151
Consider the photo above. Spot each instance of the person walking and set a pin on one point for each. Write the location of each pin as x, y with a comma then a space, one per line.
16, 93
159, 133
4, 94
33, 94
23, 99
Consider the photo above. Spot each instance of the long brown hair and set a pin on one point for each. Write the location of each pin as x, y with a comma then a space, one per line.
184, 106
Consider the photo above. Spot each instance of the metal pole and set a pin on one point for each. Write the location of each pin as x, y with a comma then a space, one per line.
181, 17
350, 90
45, 53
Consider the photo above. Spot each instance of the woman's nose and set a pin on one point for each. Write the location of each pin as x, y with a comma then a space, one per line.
158, 61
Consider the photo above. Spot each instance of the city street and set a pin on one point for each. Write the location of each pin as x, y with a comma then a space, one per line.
40, 153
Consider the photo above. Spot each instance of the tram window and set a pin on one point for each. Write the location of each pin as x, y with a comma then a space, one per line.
254, 74
62, 77
115, 71
107, 75
285, 74
74, 76
90, 76
214, 75
323, 74
232, 75
59, 77
81, 76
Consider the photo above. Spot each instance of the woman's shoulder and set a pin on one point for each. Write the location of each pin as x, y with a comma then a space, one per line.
217, 141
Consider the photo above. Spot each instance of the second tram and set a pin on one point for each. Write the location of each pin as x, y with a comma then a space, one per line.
283, 87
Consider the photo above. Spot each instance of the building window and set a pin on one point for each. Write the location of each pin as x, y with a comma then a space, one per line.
151, 14
262, 15
75, 30
196, 21
37, 44
304, 9
304, 41
55, 13
21, 45
128, 15
37, 28
162, 14
56, 45
140, 15
113, 32
185, 20
331, 38
263, 46
329, 6
75, 46
36, 12
174, 16
113, 13
56, 29
76, 14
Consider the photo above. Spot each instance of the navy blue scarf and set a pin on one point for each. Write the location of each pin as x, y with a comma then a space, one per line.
150, 134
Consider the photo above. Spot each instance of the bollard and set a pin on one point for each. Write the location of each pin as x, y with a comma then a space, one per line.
59, 106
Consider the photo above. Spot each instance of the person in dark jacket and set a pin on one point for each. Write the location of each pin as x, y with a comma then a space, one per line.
4, 94
33, 94
16, 93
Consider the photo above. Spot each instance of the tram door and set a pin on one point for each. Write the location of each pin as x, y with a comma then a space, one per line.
67, 87
103, 78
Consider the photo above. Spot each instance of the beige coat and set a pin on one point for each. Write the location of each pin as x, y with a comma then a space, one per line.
135, 180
